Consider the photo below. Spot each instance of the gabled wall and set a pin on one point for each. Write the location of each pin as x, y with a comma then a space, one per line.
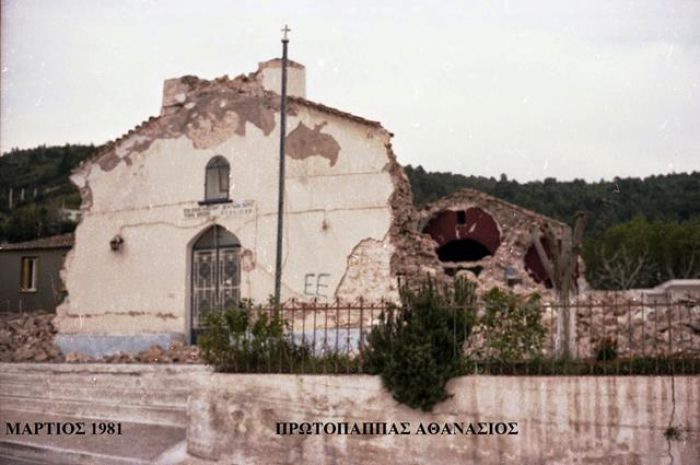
341, 178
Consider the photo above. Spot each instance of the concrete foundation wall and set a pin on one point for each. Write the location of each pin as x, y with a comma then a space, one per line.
561, 420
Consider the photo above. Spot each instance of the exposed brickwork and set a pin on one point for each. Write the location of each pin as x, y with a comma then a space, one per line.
504, 229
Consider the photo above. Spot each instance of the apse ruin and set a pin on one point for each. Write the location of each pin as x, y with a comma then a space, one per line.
179, 216
489, 240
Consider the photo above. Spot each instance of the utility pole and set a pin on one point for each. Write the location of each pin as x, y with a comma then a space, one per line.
280, 202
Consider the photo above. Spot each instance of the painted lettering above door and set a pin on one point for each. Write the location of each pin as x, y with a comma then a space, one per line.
235, 207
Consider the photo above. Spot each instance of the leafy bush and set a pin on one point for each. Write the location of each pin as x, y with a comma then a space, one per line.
512, 325
634, 366
606, 350
250, 339
417, 347
242, 340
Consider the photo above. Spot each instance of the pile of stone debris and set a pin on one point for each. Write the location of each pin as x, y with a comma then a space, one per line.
176, 353
28, 337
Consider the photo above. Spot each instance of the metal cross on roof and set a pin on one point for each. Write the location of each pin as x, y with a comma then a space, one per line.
285, 30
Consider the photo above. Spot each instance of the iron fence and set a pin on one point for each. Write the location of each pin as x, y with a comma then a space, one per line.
609, 337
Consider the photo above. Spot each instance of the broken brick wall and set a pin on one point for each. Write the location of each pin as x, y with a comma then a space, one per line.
484, 238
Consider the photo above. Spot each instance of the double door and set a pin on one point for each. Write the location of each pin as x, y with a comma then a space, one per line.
216, 282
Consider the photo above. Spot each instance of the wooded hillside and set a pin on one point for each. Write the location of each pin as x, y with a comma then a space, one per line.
37, 180
669, 197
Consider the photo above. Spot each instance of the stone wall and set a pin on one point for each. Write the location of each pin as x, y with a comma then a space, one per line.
561, 420
503, 229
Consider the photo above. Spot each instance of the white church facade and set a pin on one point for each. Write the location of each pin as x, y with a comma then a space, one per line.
179, 216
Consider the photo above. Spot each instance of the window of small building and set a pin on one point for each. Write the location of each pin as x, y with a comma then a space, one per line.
216, 185
29, 274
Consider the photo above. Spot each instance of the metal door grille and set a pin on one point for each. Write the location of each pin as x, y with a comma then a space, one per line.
216, 277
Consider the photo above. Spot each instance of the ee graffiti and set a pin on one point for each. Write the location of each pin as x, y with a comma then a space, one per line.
316, 285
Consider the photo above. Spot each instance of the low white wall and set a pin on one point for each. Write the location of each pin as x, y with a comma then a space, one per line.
592, 420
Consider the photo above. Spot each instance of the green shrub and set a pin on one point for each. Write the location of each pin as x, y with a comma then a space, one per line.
243, 340
512, 326
606, 350
417, 347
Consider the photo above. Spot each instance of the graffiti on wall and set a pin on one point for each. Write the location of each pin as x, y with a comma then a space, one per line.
316, 285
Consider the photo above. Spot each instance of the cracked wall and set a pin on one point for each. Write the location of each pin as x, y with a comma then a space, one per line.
147, 186
351, 229
415, 257
481, 237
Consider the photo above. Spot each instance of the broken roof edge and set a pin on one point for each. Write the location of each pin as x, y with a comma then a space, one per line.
113, 143
334, 111
61, 241
471, 194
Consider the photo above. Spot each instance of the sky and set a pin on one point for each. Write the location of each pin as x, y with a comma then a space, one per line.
533, 89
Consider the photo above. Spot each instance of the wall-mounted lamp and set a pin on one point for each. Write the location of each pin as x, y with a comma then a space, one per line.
116, 243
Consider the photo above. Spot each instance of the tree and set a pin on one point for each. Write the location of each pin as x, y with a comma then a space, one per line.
640, 253
560, 262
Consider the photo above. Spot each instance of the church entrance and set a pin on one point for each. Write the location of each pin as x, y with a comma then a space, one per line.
216, 275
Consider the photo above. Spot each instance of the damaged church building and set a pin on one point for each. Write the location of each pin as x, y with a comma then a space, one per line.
179, 216
489, 240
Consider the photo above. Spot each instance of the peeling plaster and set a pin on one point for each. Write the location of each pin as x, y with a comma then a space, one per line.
247, 260
86, 196
211, 112
304, 142
366, 274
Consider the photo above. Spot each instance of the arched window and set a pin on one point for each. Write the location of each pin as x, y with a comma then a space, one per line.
216, 180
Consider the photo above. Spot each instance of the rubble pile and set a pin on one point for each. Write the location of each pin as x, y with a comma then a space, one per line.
28, 337
622, 323
176, 353
637, 327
